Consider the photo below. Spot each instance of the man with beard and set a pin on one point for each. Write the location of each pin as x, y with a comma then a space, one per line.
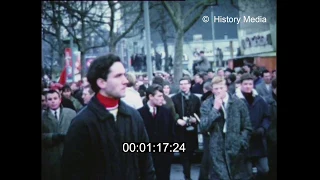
93, 144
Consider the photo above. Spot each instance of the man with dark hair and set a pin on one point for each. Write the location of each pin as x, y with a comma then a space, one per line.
211, 74
160, 128
231, 83
203, 65
239, 74
186, 105
207, 91
220, 72
264, 89
65, 102
54, 125
227, 72
67, 93
197, 88
257, 79
167, 103
77, 92
144, 86
87, 94
93, 144
247, 68
260, 120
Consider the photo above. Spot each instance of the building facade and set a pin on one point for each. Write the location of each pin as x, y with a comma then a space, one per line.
191, 50
257, 34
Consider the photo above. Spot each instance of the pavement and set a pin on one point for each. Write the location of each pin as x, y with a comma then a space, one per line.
177, 172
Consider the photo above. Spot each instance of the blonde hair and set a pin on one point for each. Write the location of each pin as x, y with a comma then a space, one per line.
131, 78
218, 80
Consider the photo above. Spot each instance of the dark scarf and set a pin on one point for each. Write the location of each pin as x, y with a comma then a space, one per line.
249, 97
205, 96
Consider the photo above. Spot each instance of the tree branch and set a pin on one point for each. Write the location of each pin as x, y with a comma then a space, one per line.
171, 14
99, 34
131, 25
111, 22
94, 47
195, 19
235, 6
51, 45
199, 4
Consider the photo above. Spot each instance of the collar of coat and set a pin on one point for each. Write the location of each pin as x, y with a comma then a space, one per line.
239, 94
230, 100
103, 113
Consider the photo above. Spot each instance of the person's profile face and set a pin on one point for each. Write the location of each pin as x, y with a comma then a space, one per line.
116, 83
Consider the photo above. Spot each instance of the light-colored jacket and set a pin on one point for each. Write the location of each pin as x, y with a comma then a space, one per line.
132, 98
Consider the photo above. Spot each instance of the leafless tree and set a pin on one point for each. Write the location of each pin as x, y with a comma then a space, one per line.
183, 16
162, 24
83, 20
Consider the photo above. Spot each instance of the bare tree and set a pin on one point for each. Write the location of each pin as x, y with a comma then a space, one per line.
254, 8
161, 23
184, 15
130, 14
51, 28
84, 20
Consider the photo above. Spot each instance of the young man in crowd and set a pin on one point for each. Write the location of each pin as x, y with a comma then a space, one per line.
226, 120
55, 123
94, 142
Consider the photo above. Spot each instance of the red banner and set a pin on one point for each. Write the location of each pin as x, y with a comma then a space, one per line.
68, 59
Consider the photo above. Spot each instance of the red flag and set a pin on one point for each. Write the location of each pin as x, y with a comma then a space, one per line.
63, 76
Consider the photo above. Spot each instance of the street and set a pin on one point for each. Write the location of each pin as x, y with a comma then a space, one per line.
177, 172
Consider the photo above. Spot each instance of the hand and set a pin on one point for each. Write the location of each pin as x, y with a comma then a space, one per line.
181, 122
217, 102
193, 119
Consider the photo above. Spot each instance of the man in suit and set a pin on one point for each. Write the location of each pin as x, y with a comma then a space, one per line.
186, 104
160, 128
55, 123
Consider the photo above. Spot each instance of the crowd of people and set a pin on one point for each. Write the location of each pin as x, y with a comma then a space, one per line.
85, 123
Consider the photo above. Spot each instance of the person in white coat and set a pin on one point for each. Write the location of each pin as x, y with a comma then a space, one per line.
132, 97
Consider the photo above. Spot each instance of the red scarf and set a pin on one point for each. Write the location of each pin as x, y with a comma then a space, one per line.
107, 102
